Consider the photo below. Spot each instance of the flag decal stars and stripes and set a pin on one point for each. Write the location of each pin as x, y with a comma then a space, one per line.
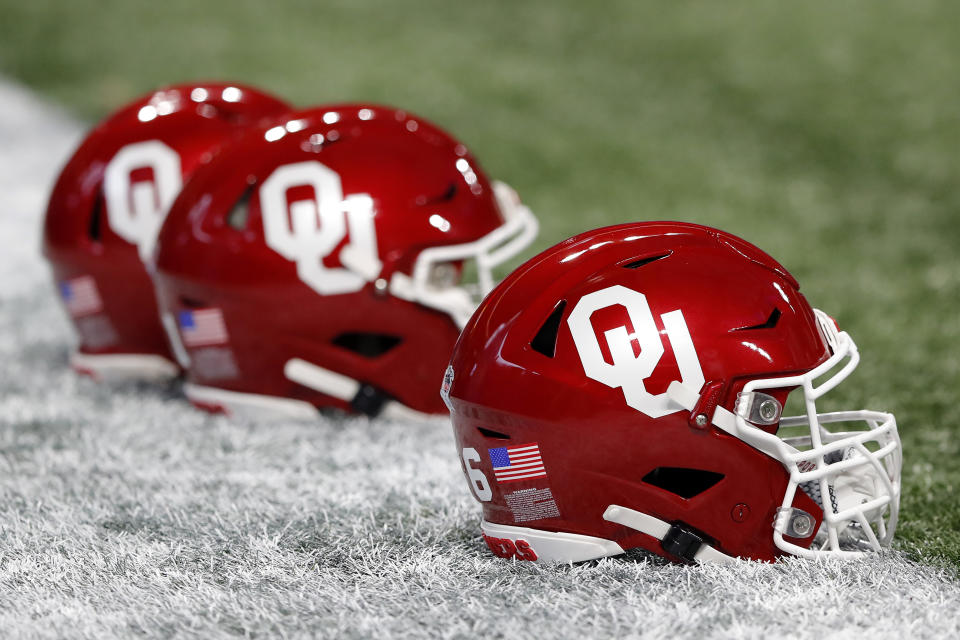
521, 462
202, 327
80, 296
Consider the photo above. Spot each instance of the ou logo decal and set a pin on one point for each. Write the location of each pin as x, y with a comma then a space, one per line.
629, 371
136, 208
307, 231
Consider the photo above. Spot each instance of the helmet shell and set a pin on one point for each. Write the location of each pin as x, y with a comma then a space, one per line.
422, 189
106, 206
519, 377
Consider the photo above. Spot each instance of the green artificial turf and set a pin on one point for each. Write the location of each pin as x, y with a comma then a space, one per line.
827, 133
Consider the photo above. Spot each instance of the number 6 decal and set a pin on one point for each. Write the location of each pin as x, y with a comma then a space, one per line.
308, 230
478, 481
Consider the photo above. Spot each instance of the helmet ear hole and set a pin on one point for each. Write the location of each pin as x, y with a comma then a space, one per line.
686, 483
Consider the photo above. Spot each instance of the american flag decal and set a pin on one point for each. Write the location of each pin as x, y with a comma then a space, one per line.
202, 327
521, 462
80, 296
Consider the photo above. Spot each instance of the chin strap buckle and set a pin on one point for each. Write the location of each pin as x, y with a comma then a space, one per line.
677, 540
682, 543
369, 400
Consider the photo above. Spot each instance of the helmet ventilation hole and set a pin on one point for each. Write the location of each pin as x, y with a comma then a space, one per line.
490, 433
770, 323
636, 264
96, 215
240, 213
368, 345
446, 196
685, 483
545, 341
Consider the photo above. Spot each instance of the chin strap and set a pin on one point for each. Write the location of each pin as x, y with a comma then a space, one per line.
676, 540
363, 398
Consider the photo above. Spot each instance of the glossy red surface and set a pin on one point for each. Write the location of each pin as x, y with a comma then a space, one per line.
596, 449
211, 257
79, 239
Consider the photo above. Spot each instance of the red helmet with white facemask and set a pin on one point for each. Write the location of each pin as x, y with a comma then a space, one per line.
321, 261
624, 389
106, 209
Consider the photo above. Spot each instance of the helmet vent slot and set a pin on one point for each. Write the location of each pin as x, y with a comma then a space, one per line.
192, 303
96, 218
685, 483
447, 195
240, 213
368, 345
636, 264
490, 433
545, 341
770, 323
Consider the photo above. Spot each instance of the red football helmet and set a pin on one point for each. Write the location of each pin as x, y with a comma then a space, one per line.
624, 389
106, 209
319, 260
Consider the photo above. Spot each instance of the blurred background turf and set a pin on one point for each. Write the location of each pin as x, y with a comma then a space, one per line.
827, 133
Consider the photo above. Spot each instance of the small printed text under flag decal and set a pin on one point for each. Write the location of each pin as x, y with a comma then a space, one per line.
521, 462
80, 296
202, 327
